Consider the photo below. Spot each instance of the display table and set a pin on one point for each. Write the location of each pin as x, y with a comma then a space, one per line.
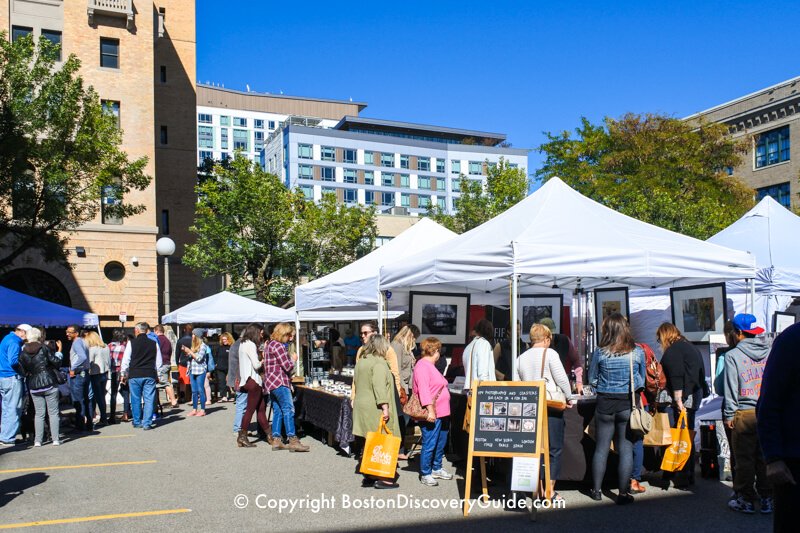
326, 411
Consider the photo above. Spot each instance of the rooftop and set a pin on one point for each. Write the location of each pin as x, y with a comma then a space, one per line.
787, 83
418, 131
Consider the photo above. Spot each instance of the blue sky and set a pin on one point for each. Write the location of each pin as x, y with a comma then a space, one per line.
519, 68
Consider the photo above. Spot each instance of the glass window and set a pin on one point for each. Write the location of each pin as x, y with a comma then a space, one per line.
327, 174
772, 147
513, 165
239, 121
55, 38
164, 136
109, 52
369, 177
369, 158
423, 182
405, 200
350, 175
258, 140
206, 154
780, 192
475, 167
387, 160
424, 201
305, 151
271, 125
455, 167
455, 184
241, 140
440, 165
403, 161
163, 74
224, 120
308, 192
369, 197
349, 156
165, 221
111, 107
387, 179
204, 118
387, 198
112, 196
205, 136
328, 153
258, 124
351, 196
424, 164
328, 190
441, 203
18, 32
405, 180
223, 138
305, 171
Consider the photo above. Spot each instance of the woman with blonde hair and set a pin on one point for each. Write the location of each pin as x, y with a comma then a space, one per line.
374, 397
99, 366
197, 370
278, 368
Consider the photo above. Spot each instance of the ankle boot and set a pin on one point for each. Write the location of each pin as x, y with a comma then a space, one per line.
296, 446
241, 440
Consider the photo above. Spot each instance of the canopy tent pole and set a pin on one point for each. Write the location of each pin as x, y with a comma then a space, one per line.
514, 332
297, 334
752, 283
380, 312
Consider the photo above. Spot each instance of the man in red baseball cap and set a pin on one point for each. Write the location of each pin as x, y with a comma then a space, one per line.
744, 367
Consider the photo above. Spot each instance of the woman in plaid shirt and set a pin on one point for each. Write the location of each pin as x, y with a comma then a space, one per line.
278, 367
197, 369
117, 349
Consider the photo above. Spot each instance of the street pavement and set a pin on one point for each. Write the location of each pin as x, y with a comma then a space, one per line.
188, 474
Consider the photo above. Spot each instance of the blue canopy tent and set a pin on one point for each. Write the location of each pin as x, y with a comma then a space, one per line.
17, 308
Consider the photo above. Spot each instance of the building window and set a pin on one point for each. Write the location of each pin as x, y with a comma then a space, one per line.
369, 158
258, 123
109, 53
328, 190
442, 204
405, 200
475, 168
308, 192
114, 271
781, 193
772, 147
17, 32
424, 164
387, 160
223, 138
224, 120
241, 140
387, 179
404, 161
240, 122
111, 198
440, 165
164, 137
455, 167
258, 140
423, 182
205, 136
163, 74
513, 165
204, 118
111, 108
455, 184
387, 198
351, 196
369, 177
327, 174
405, 181
350, 176
204, 155
165, 221
305, 151
305, 172
328, 153
271, 125
55, 39
349, 156
424, 201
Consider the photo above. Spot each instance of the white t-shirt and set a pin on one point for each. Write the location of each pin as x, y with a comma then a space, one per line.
478, 362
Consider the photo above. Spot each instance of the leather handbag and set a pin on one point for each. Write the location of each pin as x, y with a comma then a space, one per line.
640, 422
556, 400
414, 409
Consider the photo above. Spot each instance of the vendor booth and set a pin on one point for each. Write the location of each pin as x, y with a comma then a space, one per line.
18, 308
227, 308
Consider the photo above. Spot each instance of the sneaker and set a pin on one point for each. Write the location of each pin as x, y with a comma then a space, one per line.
766, 505
441, 474
741, 505
37, 444
428, 480
56, 443
5, 443
137, 426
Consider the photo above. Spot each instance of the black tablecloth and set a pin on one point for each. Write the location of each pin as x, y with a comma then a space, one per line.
348, 380
326, 411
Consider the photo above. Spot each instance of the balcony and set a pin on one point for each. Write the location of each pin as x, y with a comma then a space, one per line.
111, 8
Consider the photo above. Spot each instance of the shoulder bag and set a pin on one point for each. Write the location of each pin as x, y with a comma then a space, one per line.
414, 409
640, 421
556, 401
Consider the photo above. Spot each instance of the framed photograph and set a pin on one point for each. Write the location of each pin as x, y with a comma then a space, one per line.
441, 315
532, 308
607, 302
781, 321
320, 326
699, 311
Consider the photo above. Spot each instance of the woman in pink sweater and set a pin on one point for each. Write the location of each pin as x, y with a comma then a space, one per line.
431, 387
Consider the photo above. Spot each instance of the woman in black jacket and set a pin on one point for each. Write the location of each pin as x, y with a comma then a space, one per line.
41, 367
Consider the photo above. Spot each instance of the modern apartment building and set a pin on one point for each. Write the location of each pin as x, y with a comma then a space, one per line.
399, 166
140, 58
771, 117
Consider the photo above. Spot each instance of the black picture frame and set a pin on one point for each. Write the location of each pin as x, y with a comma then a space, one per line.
529, 311
782, 320
703, 311
608, 296
444, 315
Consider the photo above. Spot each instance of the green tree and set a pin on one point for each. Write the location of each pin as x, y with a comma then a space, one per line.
505, 186
665, 171
59, 153
250, 226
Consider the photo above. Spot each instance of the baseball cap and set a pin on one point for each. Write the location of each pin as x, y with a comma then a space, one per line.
24, 327
746, 323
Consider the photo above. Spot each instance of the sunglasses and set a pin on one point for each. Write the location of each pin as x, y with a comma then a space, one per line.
365, 333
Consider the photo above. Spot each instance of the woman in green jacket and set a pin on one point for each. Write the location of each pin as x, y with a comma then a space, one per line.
374, 397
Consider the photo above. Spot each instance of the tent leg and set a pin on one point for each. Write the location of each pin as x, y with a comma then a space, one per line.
752, 283
514, 331
380, 312
297, 333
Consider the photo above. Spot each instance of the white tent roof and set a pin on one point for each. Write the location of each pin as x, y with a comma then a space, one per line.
356, 285
767, 231
556, 236
227, 307
344, 315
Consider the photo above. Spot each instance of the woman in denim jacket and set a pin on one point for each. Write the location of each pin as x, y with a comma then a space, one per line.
610, 376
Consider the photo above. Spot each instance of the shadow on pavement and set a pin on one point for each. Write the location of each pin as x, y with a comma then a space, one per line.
12, 487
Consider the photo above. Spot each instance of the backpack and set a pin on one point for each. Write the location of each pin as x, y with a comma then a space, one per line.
655, 380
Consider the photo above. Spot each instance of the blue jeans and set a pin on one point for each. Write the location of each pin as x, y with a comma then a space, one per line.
555, 430
79, 390
198, 382
283, 405
98, 388
434, 439
142, 389
241, 405
638, 459
11, 394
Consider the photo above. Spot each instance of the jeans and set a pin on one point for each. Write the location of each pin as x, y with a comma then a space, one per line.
198, 390
79, 390
256, 403
241, 406
555, 436
283, 406
220, 389
98, 384
11, 393
434, 439
142, 389
638, 459
46, 403
610, 426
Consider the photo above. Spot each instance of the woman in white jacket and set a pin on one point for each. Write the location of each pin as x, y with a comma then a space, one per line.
100, 364
478, 355
250, 381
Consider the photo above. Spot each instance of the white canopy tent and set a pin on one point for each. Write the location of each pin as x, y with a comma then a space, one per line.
226, 307
558, 238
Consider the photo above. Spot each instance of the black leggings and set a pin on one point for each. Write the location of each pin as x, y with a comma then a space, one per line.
612, 425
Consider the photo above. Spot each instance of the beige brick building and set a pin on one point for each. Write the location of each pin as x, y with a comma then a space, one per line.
140, 58
771, 119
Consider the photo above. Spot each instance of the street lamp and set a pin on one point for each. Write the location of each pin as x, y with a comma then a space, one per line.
165, 247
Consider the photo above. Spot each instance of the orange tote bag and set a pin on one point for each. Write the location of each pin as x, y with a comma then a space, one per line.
380, 453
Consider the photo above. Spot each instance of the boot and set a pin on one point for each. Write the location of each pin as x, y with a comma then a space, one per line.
296, 446
241, 440
278, 445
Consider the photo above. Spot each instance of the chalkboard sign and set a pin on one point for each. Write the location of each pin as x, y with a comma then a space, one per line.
506, 419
